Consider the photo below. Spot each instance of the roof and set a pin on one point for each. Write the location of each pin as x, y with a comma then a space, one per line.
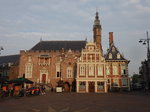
58, 45
113, 51
9, 59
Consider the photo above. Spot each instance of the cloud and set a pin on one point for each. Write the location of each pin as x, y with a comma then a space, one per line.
24, 22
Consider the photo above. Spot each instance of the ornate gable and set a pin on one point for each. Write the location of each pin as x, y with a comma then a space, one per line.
114, 54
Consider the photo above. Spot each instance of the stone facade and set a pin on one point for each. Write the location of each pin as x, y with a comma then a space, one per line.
91, 70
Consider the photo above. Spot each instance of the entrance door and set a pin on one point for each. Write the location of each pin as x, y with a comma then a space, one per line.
67, 87
43, 78
91, 87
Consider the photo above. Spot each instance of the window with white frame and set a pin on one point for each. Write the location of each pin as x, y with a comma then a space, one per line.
118, 56
82, 85
91, 70
115, 82
124, 82
82, 70
110, 56
28, 70
115, 70
107, 70
100, 70
58, 72
100, 85
69, 72
123, 69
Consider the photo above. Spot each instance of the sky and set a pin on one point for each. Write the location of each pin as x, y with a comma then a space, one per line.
24, 22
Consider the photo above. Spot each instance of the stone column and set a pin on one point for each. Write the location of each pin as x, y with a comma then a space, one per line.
77, 87
87, 87
95, 86
128, 84
105, 88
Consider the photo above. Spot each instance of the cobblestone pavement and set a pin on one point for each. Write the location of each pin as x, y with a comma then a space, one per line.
73, 102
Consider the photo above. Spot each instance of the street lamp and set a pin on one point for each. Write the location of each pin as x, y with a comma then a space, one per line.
146, 41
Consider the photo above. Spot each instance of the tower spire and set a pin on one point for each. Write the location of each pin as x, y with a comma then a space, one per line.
97, 31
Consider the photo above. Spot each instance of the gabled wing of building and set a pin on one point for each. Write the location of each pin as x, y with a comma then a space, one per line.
114, 54
59, 45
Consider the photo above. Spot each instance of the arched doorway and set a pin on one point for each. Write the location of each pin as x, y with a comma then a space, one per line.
66, 87
43, 78
91, 87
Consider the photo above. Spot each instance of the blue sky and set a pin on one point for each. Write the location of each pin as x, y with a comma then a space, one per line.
24, 22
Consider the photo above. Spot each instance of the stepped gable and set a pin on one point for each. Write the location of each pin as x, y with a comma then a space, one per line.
9, 59
58, 45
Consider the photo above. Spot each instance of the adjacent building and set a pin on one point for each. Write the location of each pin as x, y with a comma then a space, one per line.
9, 66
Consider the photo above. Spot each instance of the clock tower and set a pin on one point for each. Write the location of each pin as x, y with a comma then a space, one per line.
97, 29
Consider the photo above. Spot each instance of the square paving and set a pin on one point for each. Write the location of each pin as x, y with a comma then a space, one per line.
78, 102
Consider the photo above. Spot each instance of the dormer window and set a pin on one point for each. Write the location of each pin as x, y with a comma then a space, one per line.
110, 56
118, 56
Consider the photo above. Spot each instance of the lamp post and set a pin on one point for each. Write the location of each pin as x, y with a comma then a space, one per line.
146, 41
146, 70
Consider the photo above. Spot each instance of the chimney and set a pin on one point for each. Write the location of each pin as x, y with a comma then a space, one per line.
111, 40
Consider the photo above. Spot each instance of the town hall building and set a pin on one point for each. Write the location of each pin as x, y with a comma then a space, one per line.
80, 66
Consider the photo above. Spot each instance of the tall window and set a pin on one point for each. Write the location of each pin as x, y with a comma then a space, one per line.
107, 70
58, 72
100, 70
82, 85
115, 82
91, 70
123, 69
115, 70
82, 70
118, 56
110, 56
124, 82
28, 70
100, 85
69, 72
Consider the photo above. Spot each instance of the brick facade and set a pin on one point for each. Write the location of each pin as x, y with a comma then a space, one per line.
78, 65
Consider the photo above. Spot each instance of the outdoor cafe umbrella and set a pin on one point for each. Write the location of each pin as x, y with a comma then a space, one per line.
21, 80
